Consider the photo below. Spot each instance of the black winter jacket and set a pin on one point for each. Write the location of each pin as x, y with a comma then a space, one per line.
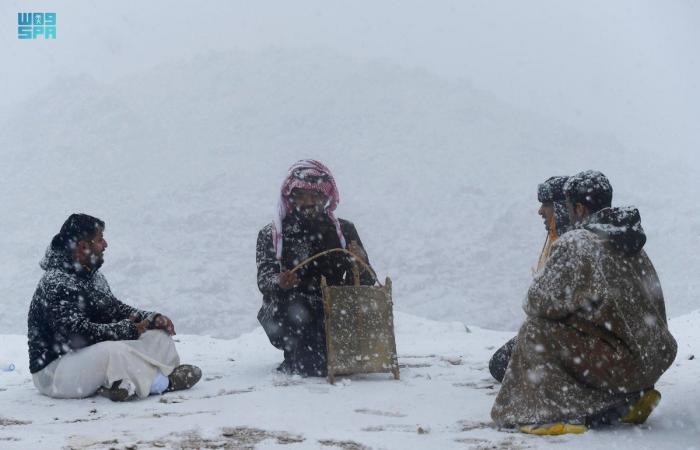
302, 239
72, 308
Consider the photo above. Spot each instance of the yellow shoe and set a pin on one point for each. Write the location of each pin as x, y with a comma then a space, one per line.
553, 429
639, 412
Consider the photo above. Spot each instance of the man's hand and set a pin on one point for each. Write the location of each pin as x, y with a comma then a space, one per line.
164, 323
358, 251
288, 280
142, 326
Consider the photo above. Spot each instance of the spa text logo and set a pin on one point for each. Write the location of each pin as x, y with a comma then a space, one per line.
36, 25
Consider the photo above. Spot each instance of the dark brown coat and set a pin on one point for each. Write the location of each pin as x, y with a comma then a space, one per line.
595, 330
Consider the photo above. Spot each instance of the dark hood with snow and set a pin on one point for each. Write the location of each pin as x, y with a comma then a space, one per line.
74, 307
619, 227
58, 258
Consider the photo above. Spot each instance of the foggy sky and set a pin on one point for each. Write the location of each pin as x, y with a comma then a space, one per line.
629, 68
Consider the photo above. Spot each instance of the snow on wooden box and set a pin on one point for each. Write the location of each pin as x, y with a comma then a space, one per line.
359, 330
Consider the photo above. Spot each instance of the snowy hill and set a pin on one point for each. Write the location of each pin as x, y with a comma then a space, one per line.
442, 401
184, 161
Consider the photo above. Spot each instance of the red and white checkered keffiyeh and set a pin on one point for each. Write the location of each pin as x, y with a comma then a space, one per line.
311, 175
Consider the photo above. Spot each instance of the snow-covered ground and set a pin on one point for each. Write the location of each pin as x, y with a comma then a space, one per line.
442, 401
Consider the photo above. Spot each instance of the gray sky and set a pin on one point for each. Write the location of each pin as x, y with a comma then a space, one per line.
626, 67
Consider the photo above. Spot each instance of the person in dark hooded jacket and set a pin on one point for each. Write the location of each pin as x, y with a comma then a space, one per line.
305, 225
553, 211
83, 340
595, 340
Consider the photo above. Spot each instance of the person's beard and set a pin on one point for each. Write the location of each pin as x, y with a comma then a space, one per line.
95, 261
308, 214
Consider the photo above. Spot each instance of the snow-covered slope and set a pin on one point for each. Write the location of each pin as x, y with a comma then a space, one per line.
442, 401
184, 162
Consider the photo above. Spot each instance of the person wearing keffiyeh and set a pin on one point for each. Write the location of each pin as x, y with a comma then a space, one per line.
303, 226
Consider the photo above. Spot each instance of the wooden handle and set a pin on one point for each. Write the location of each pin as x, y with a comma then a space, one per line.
342, 250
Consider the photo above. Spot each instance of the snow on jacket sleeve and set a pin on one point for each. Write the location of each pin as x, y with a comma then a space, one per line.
563, 285
266, 261
67, 311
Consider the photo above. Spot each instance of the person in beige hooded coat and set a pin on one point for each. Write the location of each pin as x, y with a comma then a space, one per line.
595, 337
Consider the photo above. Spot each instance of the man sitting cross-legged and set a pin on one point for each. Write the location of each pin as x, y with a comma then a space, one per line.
83, 340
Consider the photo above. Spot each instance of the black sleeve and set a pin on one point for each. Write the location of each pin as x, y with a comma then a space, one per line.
266, 260
65, 310
350, 232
